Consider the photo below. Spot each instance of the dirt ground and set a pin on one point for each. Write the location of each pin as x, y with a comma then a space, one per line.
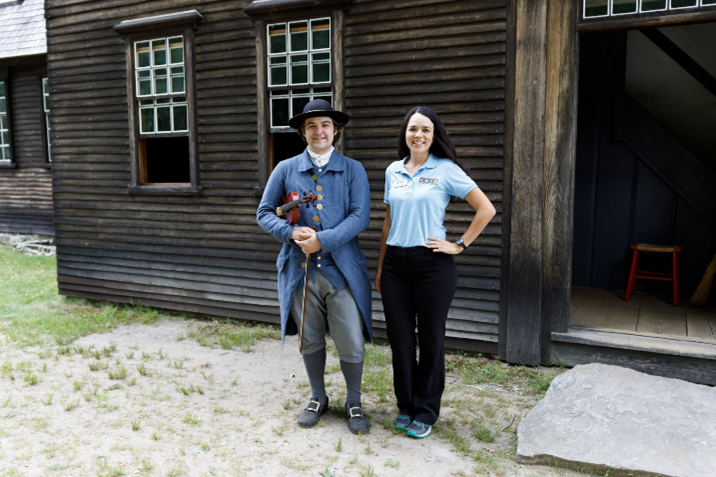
150, 400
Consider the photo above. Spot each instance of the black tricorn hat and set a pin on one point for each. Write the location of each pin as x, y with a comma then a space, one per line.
316, 108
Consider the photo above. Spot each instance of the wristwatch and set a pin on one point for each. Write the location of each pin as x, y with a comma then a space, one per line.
461, 243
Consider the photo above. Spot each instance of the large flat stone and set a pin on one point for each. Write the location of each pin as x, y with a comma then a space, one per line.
598, 417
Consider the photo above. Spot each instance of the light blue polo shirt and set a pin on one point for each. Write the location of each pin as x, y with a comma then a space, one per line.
417, 203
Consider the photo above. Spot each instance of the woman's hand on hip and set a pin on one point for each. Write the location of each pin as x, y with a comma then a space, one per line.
443, 246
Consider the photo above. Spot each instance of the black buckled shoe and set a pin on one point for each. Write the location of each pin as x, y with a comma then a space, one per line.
357, 422
313, 412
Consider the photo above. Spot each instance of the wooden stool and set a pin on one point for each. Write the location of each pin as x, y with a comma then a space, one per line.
635, 272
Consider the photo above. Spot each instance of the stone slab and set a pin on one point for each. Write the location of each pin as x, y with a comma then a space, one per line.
602, 418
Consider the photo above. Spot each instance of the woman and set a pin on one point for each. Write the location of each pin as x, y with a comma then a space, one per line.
416, 272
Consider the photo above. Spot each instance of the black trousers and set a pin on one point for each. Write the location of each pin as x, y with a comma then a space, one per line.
418, 285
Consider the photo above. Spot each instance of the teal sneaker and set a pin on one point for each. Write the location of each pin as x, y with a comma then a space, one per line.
402, 422
419, 430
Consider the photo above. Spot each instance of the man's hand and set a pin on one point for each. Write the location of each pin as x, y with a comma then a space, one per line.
306, 238
301, 233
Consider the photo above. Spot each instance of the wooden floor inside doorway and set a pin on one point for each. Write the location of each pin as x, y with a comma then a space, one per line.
643, 314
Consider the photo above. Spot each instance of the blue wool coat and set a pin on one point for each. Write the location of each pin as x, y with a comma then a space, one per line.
345, 213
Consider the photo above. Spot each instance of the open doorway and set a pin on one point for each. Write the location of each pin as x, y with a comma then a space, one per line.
645, 172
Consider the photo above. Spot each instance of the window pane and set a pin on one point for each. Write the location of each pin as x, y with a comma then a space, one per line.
176, 47
145, 87
299, 36
299, 69
278, 71
279, 112
160, 81
298, 104
708, 2
3, 122
620, 7
321, 67
2, 88
164, 120
180, 118
320, 34
277, 38
328, 98
163, 101
177, 84
322, 73
2, 105
147, 123
683, 3
652, 5
596, 8
159, 48
5, 138
142, 49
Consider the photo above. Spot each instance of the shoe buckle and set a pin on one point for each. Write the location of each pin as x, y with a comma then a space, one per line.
359, 412
318, 406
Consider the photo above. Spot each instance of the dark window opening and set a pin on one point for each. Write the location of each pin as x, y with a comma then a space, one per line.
284, 146
164, 160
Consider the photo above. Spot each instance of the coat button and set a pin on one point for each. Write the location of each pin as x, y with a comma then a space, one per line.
319, 265
314, 177
319, 206
319, 188
320, 197
303, 264
315, 218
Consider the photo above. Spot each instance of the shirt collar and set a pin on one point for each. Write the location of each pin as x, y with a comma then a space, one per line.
431, 163
320, 160
337, 162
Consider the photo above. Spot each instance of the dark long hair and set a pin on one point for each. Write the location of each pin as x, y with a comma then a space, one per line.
442, 145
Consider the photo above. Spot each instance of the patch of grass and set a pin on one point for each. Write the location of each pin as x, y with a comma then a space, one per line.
35, 315
227, 334
191, 390
142, 370
189, 419
30, 379
119, 373
70, 405
98, 366
136, 423
484, 434
366, 471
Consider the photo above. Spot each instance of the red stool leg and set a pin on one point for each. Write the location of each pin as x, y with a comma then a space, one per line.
675, 276
631, 282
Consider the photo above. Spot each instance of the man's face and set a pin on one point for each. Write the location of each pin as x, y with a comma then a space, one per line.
319, 133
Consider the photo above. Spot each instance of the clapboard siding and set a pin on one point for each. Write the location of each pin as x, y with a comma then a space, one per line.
205, 253
202, 254
449, 55
26, 189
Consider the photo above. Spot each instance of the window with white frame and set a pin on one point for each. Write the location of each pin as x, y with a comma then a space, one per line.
46, 107
611, 8
299, 66
4, 126
163, 111
161, 85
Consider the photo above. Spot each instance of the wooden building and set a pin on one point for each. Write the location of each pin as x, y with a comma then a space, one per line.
25, 158
168, 116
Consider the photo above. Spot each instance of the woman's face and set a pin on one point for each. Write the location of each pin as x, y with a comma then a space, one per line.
419, 134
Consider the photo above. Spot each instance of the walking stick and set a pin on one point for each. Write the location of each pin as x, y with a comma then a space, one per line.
305, 297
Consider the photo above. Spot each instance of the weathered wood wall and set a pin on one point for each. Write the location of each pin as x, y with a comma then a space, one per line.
26, 187
206, 254
449, 55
